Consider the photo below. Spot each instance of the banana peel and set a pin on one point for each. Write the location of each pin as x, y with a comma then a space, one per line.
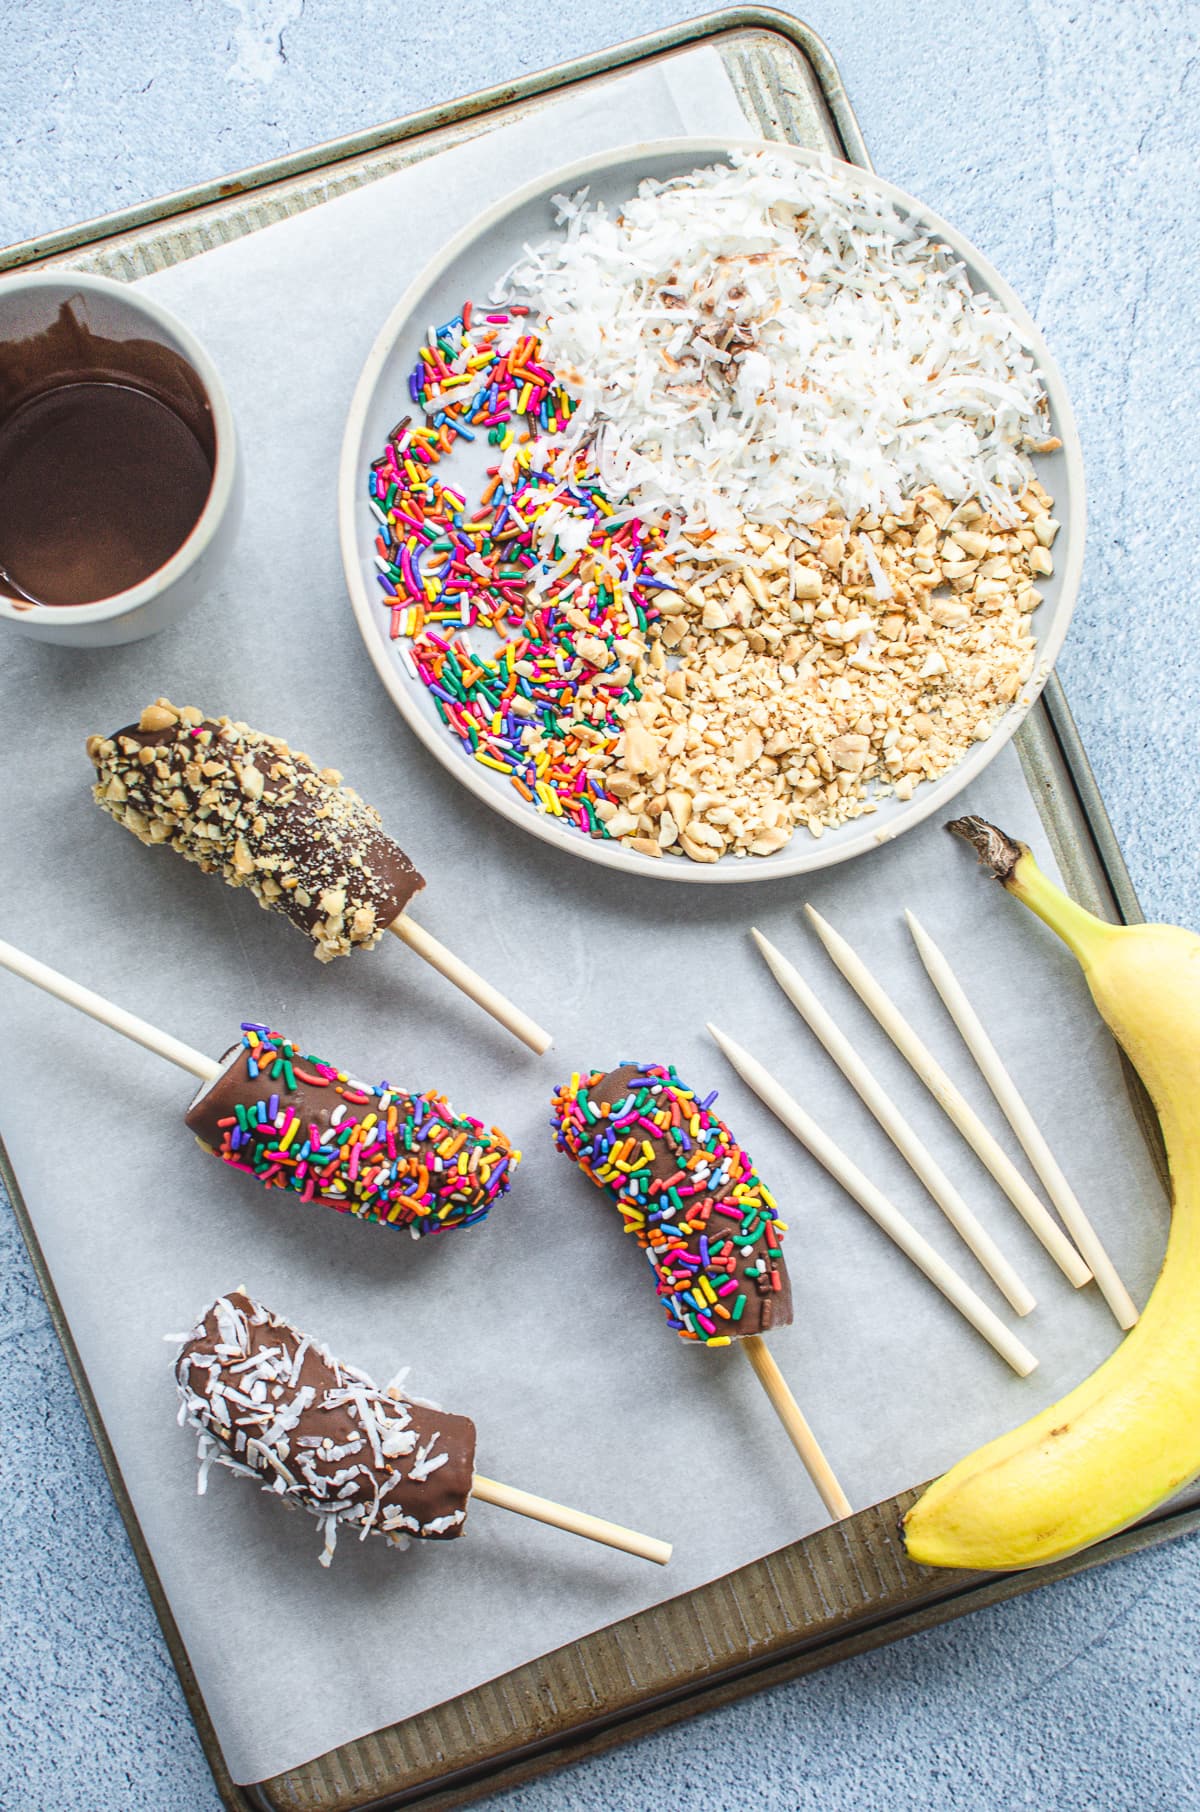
1128, 1437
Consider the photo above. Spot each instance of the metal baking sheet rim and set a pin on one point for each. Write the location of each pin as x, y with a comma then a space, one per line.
1047, 741
543, 82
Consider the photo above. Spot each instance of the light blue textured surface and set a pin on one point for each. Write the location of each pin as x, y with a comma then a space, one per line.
1062, 138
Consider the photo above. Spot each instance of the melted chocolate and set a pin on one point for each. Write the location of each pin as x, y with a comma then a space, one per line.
107, 450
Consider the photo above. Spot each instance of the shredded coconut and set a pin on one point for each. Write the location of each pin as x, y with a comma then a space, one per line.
763, 339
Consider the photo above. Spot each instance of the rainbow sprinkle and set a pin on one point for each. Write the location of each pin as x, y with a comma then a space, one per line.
295, 1122
689, 1195
547, 563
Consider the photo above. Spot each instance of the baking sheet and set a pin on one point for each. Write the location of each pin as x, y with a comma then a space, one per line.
541, 1324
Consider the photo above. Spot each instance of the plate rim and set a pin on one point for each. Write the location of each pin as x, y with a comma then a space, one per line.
727, 870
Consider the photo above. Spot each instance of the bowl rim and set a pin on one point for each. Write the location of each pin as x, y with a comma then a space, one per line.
730, 870
125, 603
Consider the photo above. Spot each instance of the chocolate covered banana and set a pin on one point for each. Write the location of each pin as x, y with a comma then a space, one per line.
707, 1222
271, 1404
687, 1192
247, 807
292, 1121
261, 815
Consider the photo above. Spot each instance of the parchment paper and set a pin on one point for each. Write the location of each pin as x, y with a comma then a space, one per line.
542, 1324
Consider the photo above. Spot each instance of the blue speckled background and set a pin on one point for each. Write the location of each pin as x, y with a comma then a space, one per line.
1063, 138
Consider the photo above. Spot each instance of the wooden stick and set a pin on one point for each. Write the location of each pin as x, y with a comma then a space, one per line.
576, 1522
481, 992
991, 1154
897, 1128
161, 1043
799, 1433
1017, 1114
877, 1205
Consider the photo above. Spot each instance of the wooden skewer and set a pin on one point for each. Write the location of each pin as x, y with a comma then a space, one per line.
953, 1103
75, 995
576, 1522
480, 991
897, 1128
799, 1433
1023, 1124
881, 1210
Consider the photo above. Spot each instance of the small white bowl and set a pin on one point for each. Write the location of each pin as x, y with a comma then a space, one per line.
31, 304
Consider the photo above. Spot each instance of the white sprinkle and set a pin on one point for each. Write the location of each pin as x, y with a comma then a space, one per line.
762, 339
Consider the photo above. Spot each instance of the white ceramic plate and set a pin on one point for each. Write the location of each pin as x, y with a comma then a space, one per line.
468, 266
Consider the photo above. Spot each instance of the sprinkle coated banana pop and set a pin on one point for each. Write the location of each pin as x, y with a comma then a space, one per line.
295, 1122
687, 1192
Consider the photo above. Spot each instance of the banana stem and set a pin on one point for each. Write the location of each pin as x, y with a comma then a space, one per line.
1013, 866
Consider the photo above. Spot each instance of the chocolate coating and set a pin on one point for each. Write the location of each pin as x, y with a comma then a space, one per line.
689, 1195
249, 808
297, 1123
271, 1404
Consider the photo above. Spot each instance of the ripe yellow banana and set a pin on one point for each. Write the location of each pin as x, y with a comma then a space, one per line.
1128, 1436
